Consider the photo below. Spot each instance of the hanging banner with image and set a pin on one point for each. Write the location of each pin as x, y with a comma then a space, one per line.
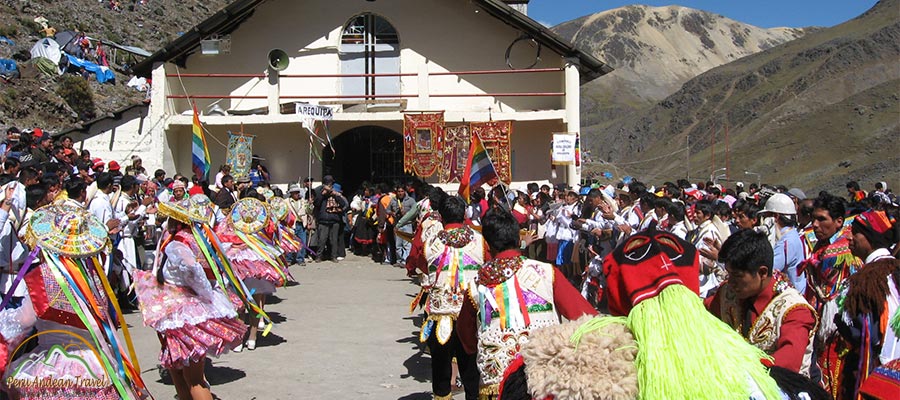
456, 150
495, 135
564, 148
423, 143
239, 155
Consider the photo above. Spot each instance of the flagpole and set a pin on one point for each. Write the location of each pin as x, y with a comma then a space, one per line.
499, 181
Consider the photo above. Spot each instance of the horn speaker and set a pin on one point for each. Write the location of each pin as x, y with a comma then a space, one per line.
278, 60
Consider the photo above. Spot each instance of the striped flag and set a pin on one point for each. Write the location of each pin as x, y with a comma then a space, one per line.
199, 151
479, 169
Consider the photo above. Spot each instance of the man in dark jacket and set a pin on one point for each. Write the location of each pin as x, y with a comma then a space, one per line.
330, 206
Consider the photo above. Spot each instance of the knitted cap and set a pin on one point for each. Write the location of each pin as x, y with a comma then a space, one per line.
876, 226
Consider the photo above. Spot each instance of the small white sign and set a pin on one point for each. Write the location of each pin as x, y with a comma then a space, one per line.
563, 149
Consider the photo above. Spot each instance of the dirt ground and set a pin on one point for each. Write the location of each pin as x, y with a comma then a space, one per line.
344, 332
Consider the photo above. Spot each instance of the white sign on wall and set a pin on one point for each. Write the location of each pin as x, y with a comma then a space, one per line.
563, 149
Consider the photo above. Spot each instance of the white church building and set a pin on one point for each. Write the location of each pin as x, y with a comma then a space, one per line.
371, 62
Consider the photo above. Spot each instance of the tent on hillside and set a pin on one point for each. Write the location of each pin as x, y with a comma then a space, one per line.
46, 48
69, 41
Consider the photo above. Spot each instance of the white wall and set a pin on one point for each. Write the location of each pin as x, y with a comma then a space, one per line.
441, 35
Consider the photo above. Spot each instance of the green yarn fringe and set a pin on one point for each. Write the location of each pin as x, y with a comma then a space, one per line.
895, 322
687, 353
594, 324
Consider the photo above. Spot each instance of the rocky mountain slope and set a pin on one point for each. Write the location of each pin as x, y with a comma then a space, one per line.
36, 100
815, 111
654, 51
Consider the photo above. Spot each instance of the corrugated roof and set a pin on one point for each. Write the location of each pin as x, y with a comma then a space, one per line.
229, 18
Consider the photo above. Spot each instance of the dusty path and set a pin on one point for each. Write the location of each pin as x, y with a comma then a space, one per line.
343, 333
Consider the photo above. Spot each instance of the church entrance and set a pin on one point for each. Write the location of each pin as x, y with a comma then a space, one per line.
371, 154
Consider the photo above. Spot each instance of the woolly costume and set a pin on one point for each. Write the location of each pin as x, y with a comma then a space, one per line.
194, 319
680, 351
778, 320
514, 297
827, 271
72, 306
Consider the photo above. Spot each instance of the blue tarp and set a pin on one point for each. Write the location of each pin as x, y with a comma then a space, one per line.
103, 74
4, 39
7, 66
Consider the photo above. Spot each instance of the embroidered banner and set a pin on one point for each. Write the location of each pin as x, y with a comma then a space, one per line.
456, 149
495, 136
423, 143
239, 155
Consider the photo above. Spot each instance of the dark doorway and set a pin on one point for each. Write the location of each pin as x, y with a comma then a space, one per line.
366, 154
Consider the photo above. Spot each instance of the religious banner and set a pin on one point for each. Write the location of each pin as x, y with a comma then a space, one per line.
423, 143
495, 136
563, 149
456, 148
239, 155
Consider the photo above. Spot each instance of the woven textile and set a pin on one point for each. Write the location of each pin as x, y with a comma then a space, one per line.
495, 137
456, 150
239, 156
423, 143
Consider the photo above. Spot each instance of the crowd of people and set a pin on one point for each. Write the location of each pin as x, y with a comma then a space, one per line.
808, 285
625, 290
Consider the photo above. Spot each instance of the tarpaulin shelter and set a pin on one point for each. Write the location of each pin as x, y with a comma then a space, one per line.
103, 74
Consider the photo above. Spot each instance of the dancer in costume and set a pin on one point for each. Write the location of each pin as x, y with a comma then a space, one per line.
254, 259
283, 218
513, 296
660, 343
453, 257
71, 304
870, 318
429, 225
827, 271
193, 319
761, 304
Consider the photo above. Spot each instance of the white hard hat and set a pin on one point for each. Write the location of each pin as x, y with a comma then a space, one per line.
780, 203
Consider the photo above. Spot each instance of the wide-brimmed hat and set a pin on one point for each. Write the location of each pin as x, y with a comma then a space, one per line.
67, 230
279, 206
293, 188
249, 215
266, 193
200, 209
176, 210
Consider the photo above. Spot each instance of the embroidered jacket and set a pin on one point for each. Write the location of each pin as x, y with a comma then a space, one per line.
779, 321
453, 256
513, 296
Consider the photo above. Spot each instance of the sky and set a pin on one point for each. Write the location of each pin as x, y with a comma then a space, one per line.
762, 13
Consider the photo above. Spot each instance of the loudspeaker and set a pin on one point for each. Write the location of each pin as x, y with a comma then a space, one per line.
278, 60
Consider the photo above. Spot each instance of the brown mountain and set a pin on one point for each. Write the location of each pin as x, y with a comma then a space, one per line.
654, 51
814, 112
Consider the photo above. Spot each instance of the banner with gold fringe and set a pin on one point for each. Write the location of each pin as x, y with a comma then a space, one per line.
423, 143
495, 135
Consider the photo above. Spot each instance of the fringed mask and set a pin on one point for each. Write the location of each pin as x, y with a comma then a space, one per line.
645, 264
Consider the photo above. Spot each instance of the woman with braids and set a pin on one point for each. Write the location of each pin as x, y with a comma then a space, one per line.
193, 320
870, 320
